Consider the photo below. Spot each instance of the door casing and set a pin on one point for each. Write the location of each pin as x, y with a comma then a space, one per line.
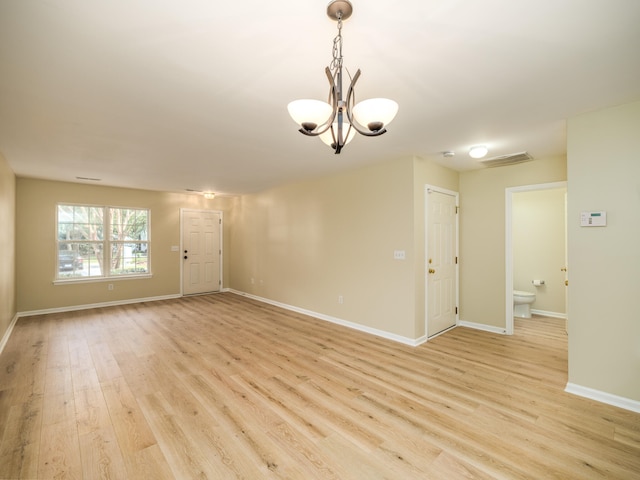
508, 243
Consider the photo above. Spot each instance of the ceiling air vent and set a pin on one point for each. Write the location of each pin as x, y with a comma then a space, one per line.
504, 160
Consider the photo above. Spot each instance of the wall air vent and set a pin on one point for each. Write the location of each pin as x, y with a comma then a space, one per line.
503, 160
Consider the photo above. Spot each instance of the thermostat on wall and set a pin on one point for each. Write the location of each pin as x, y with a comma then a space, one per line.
593, 219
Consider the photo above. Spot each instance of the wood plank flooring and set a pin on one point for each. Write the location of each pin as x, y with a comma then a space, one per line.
223, 387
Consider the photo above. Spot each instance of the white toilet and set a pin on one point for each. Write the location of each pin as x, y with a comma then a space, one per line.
522, 303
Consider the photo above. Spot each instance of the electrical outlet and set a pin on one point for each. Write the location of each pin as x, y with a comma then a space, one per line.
340, 299
110, 286
399, 255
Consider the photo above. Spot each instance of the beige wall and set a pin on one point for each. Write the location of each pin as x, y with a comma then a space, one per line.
604, 263
306, 244
482, 234
7, 246
302, 244
538, 230
35, 236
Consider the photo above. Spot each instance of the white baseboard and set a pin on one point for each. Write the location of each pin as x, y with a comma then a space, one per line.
483, 327
544, 313
7, 334
355, 326
603, 397
72, 308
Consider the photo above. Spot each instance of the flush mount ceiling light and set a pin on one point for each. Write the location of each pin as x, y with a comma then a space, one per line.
209, 195
337, 121
478, 151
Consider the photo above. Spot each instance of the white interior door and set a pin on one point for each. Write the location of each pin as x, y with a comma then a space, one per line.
201, 251
441, 265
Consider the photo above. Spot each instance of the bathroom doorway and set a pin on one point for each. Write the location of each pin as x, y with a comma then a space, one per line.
527, 210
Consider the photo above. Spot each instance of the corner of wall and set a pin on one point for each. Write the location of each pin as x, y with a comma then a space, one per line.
7, 249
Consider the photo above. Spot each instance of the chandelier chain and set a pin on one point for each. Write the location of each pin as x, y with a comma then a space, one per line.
336, 63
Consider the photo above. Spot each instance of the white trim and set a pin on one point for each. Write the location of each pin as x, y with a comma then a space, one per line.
78, 280
440, 333
603, 397
72, 308
355, 326
508, 243
428, 189
544, 313
483, 327
7, 334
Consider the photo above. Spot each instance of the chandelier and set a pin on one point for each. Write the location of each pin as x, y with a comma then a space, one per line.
337, 120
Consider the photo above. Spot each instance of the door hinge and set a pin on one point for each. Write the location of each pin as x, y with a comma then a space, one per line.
456, 260
457, 209
456, 310
219, 221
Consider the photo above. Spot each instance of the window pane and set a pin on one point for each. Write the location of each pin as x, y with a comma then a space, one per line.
80, 223
65, 213
128, 224
79, 260
129, 258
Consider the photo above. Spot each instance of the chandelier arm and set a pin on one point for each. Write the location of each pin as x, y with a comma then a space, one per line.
352, 121
319, 130
370, 133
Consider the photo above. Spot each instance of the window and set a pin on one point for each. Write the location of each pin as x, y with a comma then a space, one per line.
94, 242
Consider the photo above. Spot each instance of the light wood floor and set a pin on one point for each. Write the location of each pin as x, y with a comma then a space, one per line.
221, 386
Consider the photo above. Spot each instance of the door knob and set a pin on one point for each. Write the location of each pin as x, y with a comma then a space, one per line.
566, 283
564, 269
185, 257
431, 270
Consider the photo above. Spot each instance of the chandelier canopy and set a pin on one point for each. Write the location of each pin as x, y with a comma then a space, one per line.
337, 120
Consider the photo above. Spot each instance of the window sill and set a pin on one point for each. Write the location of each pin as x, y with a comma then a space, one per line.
101, 279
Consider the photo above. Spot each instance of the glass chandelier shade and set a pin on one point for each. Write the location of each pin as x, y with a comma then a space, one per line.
328, 137
375, 113
337, 120
309, 113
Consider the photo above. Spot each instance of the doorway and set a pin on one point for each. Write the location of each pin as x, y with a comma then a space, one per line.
201, 252
557, 284
441, 269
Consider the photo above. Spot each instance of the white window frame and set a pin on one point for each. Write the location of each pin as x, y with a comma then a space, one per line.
107, 243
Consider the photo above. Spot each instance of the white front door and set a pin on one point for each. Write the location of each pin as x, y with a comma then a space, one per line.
441, 261
201, 251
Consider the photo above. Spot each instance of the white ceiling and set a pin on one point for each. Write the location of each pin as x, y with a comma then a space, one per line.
192, 94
